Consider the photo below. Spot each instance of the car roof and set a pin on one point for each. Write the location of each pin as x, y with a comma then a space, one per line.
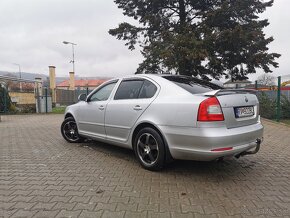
159, 78
152, 76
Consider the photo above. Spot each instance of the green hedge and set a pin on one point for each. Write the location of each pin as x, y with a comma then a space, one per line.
285, 108
268, 106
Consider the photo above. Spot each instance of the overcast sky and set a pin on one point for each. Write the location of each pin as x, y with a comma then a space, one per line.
32, 31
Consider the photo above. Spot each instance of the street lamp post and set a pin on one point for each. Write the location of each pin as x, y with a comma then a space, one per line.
73, 53
19, 68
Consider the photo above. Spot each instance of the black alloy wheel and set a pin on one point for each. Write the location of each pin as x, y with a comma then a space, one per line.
69, 130
149, 149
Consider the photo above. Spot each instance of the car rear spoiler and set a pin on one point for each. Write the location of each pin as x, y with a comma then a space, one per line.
230, 92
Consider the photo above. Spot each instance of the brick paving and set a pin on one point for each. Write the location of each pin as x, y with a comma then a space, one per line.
41, 175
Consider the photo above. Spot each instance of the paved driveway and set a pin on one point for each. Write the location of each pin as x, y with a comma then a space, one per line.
41, 175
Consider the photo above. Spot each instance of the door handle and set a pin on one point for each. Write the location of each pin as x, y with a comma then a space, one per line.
137, 108
101, 107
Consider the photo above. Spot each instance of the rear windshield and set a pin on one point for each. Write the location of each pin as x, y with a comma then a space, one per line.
193, 85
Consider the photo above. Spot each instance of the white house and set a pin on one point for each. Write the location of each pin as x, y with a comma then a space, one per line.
230, 84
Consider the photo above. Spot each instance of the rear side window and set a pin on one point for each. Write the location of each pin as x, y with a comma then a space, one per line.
193, 85
148, 90
129, 89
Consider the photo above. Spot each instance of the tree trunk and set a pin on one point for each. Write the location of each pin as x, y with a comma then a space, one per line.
182, 66
182, 13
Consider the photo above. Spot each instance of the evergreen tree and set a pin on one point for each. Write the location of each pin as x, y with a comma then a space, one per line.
198, 37
4, 100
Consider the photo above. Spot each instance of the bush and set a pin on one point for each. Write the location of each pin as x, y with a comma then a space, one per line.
28, 109
4, 97
267, 106
12, 108
285, 107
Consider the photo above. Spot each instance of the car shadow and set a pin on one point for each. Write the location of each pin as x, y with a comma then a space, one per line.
217, 169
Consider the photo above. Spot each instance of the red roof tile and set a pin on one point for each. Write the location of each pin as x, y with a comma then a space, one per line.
83, 83
285, 88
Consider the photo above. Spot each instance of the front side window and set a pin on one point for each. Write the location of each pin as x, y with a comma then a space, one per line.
104, 93
129, 89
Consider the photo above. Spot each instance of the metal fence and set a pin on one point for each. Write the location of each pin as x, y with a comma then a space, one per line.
273, 94
17, 95
23, 96
68, 97
275, 103
277, 98
40, 101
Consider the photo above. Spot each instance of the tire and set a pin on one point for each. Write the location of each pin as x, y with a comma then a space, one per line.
149, 149
69, 131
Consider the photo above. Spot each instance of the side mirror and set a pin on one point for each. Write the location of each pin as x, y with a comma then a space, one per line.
82, 97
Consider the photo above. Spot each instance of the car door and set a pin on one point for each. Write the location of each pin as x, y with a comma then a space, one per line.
91, 112
131, 99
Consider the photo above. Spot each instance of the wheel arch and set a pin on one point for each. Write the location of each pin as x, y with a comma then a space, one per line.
67, 115
168, 157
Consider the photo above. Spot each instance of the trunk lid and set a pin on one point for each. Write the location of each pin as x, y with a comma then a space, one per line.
240, 107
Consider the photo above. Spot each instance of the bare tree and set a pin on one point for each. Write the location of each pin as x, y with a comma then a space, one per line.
11, 85
266, 79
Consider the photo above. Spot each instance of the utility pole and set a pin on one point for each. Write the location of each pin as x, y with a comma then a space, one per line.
73, 53
20, 76
278, 112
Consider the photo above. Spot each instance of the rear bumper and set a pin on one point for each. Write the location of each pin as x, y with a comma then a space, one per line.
188, 143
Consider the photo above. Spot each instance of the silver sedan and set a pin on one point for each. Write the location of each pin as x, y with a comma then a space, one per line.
167, 117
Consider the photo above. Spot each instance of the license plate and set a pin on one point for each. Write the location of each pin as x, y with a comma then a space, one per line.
244, 111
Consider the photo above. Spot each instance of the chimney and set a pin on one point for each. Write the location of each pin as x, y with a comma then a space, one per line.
71, 81
52, 84
38, 86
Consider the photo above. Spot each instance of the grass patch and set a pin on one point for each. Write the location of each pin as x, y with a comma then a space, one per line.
58, 110
286, 122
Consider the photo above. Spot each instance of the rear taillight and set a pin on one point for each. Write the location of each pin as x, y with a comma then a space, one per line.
210, 110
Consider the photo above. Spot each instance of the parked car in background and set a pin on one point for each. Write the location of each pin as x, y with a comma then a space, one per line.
165, 117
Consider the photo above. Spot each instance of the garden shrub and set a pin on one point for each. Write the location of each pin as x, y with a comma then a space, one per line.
285, 107
4, 97
267, 106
